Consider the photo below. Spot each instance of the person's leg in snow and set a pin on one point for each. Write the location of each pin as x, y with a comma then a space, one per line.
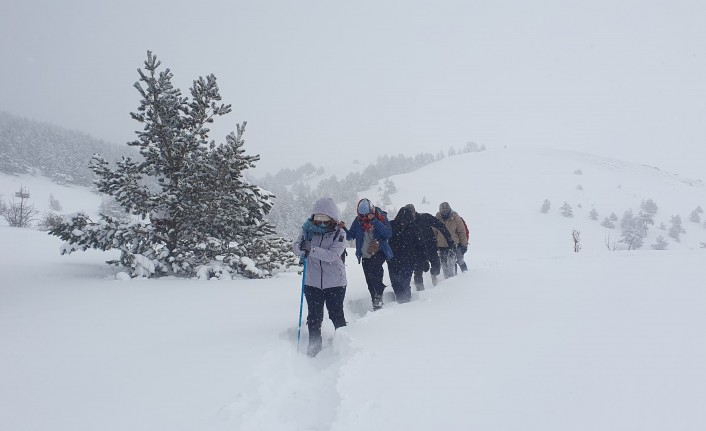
448, 261
459, 259
315, 307
374, 272
334, 297
419, 277
400, 278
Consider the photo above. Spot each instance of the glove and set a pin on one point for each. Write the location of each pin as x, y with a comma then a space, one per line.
452, 245
305, 246
374, 247
463, 248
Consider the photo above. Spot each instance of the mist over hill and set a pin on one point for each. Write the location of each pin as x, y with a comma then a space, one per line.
32, 147
511, 186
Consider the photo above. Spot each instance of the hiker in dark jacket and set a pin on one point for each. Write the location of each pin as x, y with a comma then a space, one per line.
425, 222
371, 230
409, 253
322, 244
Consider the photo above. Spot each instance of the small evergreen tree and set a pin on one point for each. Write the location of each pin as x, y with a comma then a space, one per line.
593, 215
613, 217
566, 210
632, 231
196, 209
649, 206
608, 223
545, 206
695, 215
660, 244
676, 228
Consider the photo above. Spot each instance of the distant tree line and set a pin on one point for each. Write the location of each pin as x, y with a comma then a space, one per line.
295, 195
33, 147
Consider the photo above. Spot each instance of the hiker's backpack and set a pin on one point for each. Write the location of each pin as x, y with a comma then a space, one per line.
465, 226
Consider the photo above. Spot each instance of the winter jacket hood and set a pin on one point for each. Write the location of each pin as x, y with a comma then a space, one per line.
328, 207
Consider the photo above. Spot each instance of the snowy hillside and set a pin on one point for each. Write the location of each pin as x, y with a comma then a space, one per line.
71, 198
533, 337
500, 192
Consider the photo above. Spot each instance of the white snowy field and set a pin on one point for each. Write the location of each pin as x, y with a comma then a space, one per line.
533, 337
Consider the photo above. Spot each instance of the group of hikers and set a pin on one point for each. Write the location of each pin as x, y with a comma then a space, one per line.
411, 244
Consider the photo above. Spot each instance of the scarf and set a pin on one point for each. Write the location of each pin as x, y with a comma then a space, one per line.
310, 229
368, 224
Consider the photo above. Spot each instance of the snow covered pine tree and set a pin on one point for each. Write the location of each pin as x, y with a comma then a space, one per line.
197, 215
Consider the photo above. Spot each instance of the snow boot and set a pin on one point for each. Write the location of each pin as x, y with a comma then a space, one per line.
419, 286
464, 267
377, 302
314, 347
434, 280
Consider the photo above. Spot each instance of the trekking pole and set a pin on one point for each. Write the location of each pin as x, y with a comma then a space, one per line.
301, 305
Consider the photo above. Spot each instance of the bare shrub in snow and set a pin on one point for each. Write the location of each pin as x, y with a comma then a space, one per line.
610, 243
54, 204
576, 237
20, 213
49, 221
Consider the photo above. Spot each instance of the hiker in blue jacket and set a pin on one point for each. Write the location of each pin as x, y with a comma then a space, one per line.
371, 230
322, 243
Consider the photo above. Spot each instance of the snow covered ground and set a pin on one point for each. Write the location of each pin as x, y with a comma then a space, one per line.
533, 337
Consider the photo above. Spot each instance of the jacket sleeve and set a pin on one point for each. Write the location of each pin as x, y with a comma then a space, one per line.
295, 245
329, 254
441, 227
352, 233
384, 229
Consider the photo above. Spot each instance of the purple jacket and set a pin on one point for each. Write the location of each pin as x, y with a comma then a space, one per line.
324, 267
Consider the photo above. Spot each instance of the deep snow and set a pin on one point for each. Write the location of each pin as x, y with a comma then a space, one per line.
534, 336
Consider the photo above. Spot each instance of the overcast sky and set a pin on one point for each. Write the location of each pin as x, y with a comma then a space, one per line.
318, 80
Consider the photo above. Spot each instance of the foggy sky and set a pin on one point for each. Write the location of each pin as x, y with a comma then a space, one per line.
321, 80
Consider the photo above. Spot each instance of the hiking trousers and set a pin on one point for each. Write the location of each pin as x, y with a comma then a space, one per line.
374, 271
316, 298
401, 277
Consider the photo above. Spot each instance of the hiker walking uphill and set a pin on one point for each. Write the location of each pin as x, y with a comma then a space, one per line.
371, 230
409, 253
322, 244
425, 222
448, 254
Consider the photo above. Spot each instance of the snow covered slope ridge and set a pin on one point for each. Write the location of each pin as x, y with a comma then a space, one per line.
500, 192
